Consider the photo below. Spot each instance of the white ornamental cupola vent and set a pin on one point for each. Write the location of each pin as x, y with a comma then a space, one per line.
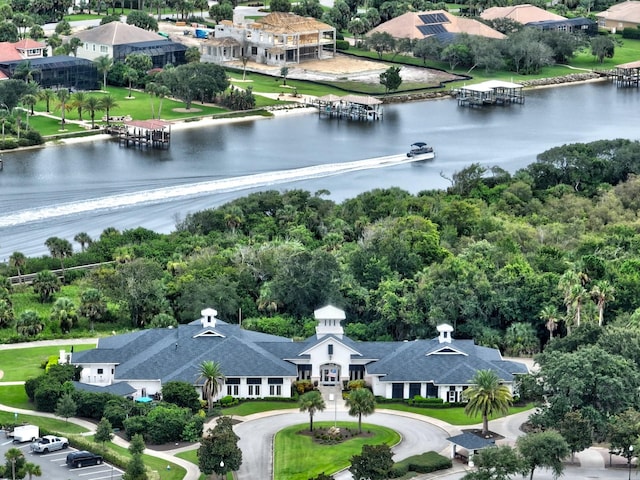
329, 321
444, 332
208, 317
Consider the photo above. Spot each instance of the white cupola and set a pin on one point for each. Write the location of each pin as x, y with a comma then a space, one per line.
444, 331
208, 317
329, 321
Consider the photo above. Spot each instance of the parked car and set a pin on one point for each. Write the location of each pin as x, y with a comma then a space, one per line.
83, 458
49, 443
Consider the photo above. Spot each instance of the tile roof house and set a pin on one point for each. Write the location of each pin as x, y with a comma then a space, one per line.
620, 16
275, 39
438, 23
25, 49
523, 14
259, 365
117, 40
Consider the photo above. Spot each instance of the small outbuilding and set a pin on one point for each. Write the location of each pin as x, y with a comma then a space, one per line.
471, 443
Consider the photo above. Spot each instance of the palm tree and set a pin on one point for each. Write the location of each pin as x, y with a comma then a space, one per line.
74, 44
361, 402
32, 469
29, 101
577, 296
64, 313
59, 248
83, 238
602, 292
29, 324
47, 95
25, 71
13, 456
45, 284
18, 260
104, 64
311, 402
7, 314
92, 105
566, 283
550, 315
211, 373
487, 396
79, 102
130, 75
92, 305
62, 96
161, 93
107, 103
151, 88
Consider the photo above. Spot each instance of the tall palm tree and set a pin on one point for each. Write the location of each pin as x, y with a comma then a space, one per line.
62, 96
151, 88
79, 101
577, 296
162, 92
29, 101
92, 105
83, 238
550, 316
602, 292
104, 64
47, 95
567, 281
92, 305
361, 402
13, 456
74, 44
107, 103
211, 373
487, 396
18, 260
311, 402
59, 248
130, 75
25, 71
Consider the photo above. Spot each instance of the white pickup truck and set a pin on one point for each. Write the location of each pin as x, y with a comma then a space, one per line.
49, 443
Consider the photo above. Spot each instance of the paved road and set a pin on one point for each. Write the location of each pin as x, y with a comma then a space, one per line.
256, 436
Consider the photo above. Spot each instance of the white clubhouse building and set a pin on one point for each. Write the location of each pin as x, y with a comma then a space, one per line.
258, 365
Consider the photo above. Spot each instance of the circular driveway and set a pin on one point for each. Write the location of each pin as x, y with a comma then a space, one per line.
256, 436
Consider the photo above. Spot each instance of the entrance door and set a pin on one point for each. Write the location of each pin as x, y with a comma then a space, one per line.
329, 375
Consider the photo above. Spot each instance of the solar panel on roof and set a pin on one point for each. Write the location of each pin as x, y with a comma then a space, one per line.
431, 29
428, 18
442, 18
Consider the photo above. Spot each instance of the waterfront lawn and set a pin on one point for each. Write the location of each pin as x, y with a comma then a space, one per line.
453, 415
15, 396
270, 84
299, 457
48, 126
50, 424
24, 363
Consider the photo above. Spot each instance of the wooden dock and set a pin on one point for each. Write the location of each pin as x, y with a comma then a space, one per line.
144, 134
627, 74
349, 107
492, 92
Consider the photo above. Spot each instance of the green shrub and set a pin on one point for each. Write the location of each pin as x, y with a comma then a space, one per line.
631, 33
228, 401
342, 45
424, 463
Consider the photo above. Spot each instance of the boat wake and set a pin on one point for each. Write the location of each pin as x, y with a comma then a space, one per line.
159, 195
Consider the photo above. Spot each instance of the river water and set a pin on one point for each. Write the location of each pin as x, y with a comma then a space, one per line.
61, 191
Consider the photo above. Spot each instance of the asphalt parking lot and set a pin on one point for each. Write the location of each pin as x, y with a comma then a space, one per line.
54, 466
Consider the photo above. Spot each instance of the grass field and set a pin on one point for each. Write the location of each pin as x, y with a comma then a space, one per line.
52, 424
453, 416
248, 408
24, 363
299, 457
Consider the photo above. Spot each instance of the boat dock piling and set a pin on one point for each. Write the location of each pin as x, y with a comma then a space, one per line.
350, 107
492, 92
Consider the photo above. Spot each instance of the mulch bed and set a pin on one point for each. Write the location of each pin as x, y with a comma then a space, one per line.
489, 436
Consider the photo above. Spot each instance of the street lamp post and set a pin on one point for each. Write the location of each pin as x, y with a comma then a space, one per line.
333, 398
221, 468
630, 455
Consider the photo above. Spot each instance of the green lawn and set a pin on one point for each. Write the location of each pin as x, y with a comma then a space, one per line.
192, 456
247, 408
52, 424
175, 472
269, 84
24, 363
299, 457
15, 396
453, 416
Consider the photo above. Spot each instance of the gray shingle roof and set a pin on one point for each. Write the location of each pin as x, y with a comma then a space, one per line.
117, 33
471, 442
119, 388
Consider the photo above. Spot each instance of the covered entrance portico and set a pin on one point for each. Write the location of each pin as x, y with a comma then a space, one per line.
329, 374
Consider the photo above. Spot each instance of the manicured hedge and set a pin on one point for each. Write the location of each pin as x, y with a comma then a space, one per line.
342, 44
424, 463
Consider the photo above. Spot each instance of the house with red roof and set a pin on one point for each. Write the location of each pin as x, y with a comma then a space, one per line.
24, 49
